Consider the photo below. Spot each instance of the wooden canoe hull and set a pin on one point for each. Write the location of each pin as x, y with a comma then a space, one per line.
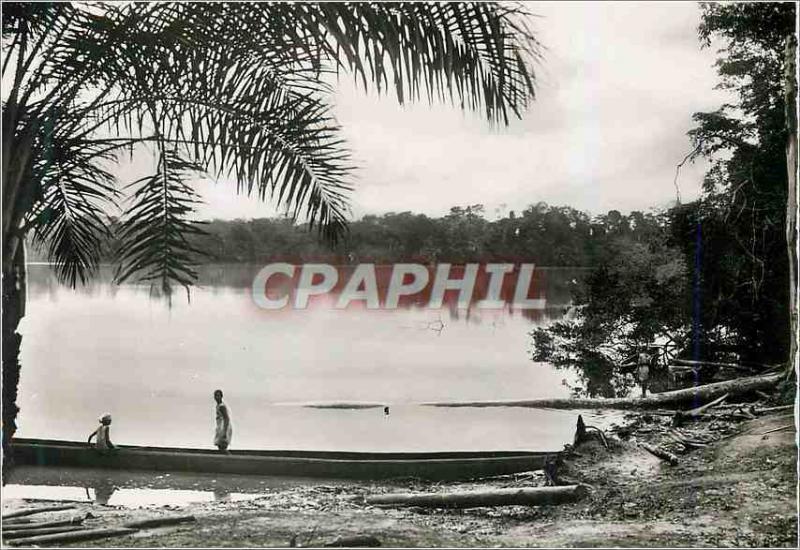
320, 464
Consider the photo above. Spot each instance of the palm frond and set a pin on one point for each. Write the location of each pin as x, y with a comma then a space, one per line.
70, 218
234, 89
155, 227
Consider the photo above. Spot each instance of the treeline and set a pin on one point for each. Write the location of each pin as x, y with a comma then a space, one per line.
543, 234
717, 287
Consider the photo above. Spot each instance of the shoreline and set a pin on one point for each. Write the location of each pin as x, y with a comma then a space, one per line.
738, 491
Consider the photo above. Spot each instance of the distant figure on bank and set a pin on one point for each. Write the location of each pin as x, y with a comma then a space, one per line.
103, 434
224, 432
643, 370
386, 411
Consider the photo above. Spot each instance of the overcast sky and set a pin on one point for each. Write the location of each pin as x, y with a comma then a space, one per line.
616, 90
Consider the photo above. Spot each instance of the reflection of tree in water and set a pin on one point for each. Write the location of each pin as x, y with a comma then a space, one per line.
221, 493
597, 376
103, 491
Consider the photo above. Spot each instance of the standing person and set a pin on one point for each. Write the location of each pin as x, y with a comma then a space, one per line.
224, 432
643, 370
103, 433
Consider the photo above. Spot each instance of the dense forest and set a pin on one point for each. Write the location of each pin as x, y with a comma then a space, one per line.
717, 288
542, 234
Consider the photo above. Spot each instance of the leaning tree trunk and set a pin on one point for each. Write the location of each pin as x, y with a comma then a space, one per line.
14, 294
790, 88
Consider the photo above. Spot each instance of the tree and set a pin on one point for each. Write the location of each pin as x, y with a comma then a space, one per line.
724, 256
234, 90
633, 295
736, 233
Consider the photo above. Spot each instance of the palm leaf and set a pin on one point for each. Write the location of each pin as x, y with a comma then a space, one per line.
156, 225
232, 89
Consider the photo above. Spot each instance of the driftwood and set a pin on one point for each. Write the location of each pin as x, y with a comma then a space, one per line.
773, 409
158, 522
782, 428
24, 533
16, 521
75, 536
537, 496
660, 453
700, 410
706, 392
41, 525
354, 541
681, 416
688, 442
32, 511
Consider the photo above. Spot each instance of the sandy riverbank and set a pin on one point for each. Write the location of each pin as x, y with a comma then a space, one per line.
739, 491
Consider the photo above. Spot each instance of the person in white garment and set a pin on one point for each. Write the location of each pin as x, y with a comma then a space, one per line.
103, 434
643, 370
224, 431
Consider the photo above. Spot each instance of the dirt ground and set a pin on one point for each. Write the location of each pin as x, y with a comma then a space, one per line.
740, 490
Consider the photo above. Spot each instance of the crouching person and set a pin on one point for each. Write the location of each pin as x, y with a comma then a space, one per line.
103, 435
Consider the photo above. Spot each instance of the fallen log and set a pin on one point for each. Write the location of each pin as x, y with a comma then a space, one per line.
22, 533
536, 496
355, 541
686, 441
75, 536
32, 511
781, 429
17, 521
681, 416
774, 409
158, 522
660, 453
41, 525
702, 393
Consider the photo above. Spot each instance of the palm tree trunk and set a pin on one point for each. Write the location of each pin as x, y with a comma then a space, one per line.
14, 295
791, 199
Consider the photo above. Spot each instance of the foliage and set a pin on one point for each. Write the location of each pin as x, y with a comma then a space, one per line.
711, 282
546, 235
237, 91
634, 295
741, 266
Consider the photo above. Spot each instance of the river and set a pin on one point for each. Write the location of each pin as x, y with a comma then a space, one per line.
116, 349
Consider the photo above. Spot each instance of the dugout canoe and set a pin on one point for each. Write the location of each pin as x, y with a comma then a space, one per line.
432, 466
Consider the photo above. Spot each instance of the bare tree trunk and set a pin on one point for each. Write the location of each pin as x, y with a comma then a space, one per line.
698, 394
791, 199
14, 295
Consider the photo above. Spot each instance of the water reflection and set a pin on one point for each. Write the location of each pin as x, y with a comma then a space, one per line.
221, 494
556, 285
152, 366
133, 489
103, 490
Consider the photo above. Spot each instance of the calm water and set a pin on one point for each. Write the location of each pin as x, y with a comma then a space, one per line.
132, 488
114, 349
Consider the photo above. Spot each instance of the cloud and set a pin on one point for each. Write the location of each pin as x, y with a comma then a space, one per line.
616, 90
